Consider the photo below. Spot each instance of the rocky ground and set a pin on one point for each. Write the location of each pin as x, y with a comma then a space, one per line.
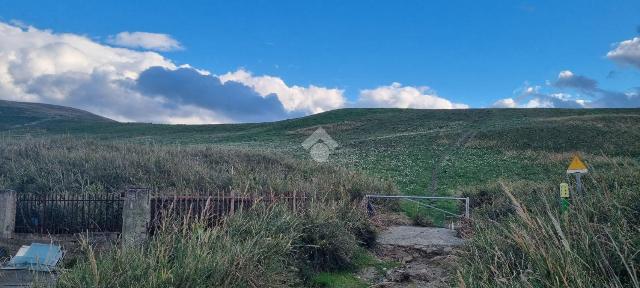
426, 256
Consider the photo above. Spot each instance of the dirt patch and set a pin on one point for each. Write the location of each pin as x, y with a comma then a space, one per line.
427, 256
420, 267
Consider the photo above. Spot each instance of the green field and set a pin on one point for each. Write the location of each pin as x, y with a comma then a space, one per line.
402, 145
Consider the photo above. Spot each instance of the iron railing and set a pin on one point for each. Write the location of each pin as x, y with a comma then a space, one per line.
415, 198
68, 213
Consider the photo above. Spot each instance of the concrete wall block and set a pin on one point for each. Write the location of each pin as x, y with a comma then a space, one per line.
136, 215
8, 200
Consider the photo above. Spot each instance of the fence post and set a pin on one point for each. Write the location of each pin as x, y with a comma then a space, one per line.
7, 213
466, 208
136, 215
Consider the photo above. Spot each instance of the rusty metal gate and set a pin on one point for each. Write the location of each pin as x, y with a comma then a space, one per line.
211, 209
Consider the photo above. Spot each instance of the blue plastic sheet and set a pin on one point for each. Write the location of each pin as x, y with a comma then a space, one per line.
36, 257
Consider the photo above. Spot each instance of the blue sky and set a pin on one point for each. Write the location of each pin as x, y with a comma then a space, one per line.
467, 52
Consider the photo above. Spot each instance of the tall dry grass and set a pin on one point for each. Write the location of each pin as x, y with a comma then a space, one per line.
523, 240
66, 164
261, 247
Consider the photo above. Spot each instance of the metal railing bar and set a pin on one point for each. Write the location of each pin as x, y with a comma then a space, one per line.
412, 198
415, 197
436, 208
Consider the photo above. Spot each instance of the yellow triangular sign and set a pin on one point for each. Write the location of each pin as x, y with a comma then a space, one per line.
577, 166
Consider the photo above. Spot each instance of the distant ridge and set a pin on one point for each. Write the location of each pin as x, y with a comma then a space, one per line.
18, 114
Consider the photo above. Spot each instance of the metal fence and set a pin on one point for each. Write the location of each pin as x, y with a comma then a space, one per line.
188, 208
415, 199
68, 213
212, 209
424, 210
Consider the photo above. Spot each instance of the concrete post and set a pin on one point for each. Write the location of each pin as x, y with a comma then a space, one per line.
578, 184
7, 213
136, 215
466, 208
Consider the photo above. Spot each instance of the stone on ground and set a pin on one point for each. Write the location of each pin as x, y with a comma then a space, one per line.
417, 237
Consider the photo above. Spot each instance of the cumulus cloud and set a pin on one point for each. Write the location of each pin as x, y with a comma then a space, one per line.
311, 99
118, 99
72, 70
27, 53
398, 96
603, 98
143, 86
614, 99
566, 79
627, 52
578, 85
533, 97
187, 86
146, 40
505, 103
539, 101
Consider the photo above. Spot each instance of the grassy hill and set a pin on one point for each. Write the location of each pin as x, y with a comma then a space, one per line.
422, 151
20, 115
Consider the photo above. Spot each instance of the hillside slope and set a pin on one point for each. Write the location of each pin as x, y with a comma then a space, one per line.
422, 151
21, 114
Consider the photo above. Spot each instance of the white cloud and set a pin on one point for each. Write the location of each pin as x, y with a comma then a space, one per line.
567, 79
565, 74
538, 102
312, 99
561, 96
398, 96
146, 40
532, 97
532, 89
196, 115
27, 53
505, 103
67, 69
627, 52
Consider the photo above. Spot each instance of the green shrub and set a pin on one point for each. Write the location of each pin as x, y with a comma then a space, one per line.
327, 241
358, 224
420, 219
